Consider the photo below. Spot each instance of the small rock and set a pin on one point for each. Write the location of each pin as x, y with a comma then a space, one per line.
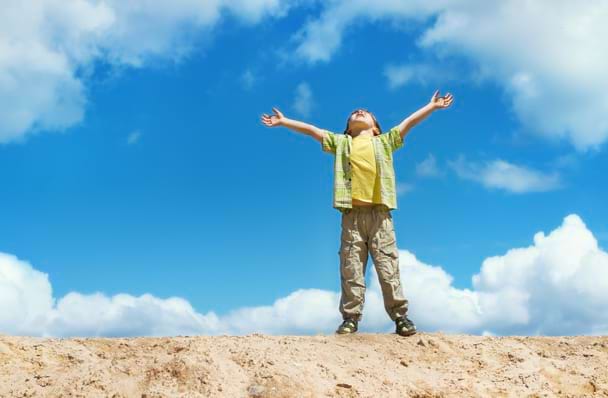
256, 390
593, 385
404, 363
344, 385
421, 343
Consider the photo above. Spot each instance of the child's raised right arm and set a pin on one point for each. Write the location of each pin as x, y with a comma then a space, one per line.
277, 119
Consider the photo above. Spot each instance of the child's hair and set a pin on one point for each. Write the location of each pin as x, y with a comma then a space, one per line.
378, 129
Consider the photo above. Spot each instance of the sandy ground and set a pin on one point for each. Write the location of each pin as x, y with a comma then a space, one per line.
363, 365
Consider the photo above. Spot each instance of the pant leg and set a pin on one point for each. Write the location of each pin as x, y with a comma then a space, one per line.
353, 261
383, 247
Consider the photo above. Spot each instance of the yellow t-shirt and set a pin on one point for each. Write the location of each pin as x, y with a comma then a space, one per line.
363, 166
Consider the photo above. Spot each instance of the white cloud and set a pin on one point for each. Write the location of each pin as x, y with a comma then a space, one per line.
49, 49
124, 315
253, 11
27, 307
305, 311
25, 297
434, 304
547, 55
549, 58
557, 285
499, 174
320, 38
428, 167
303, 102
400, 75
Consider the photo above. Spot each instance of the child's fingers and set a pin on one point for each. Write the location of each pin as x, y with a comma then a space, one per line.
268, 120
275, 110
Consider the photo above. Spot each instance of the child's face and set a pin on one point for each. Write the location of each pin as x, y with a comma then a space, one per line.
361, 119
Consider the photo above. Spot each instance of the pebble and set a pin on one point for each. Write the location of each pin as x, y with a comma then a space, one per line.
256, 390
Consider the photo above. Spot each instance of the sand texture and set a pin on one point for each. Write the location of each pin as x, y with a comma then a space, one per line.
363, 365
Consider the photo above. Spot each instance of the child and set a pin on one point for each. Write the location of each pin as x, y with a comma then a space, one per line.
364, 192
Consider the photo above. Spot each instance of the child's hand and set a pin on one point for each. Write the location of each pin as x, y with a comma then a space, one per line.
441, 102
273, 120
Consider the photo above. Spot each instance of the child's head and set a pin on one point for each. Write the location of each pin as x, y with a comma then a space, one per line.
362, 119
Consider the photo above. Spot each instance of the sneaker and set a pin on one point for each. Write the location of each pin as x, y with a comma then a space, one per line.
404, 326
348, 326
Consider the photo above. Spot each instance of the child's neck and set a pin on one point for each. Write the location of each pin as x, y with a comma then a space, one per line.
361, 133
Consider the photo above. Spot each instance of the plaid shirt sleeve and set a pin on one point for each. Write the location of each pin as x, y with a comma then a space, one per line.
330, 142
393, 138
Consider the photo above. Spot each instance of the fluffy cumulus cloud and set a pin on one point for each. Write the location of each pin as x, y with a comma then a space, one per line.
49, 48
25, 297
124, 315
499, 174
547, 55
27, 307
556, 285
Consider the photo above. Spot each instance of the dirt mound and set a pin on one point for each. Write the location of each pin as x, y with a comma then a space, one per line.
363, 365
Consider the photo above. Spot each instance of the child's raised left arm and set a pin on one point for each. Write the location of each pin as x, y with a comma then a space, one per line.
435, 103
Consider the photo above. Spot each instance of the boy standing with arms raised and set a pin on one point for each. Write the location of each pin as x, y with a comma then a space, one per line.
365, 194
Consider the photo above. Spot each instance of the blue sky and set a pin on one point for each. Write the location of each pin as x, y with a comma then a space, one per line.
156, 176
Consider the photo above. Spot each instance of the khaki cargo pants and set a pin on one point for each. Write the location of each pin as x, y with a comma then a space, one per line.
369, 229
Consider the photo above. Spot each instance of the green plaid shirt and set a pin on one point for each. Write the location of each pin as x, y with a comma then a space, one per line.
384, 146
